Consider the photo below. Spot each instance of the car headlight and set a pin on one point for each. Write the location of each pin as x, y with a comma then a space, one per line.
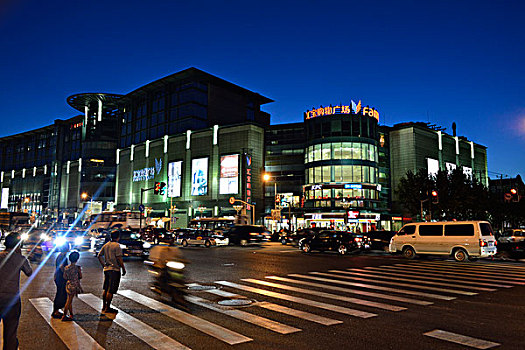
146, 245
79, 240
60, 241
44, 237
122, 246
175, 265
24, 236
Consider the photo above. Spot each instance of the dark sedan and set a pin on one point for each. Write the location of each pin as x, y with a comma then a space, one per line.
380, 240
130, 242
247, 234
157, 235
339, 241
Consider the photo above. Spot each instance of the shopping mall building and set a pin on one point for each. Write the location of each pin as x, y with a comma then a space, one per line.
208, 140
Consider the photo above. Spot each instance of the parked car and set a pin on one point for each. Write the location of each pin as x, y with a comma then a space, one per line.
158, 235
196, 237
511, 244
339, 241
462, 240
247, 234
130, 242
295, 237
380, 240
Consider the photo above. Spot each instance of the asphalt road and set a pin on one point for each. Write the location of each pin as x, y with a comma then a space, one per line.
372, 301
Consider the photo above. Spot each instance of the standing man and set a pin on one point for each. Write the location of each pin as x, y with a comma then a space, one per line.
110, 257
11, 263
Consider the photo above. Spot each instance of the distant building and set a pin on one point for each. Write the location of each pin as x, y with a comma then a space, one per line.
418, 145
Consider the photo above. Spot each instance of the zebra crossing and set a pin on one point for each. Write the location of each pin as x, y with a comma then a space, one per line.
319, 298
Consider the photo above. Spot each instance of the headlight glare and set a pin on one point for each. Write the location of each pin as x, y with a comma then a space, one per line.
175, 265
60, 241
79, 240
146, 245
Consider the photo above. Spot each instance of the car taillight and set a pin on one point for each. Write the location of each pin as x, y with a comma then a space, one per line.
482, 243
358, 239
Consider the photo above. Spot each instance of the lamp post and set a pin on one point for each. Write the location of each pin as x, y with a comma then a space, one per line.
346, 204
85, 196
266, 178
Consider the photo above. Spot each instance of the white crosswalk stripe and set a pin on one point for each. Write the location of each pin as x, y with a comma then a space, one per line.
461, 339
331, 307
353, 291
336, 279
246, 316
397, 271
444, 290
421, 281
139, 329
487, 266
282, 309
73, 336
447, 271
200, 324
461, 267
327, 295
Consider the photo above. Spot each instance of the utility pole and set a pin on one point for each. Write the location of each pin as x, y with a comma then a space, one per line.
142, 190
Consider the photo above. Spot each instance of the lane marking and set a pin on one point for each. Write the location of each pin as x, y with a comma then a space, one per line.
216, 331
394, 278
139, 329
289, 251
71, 334
404, 272
446, 290
331, 307
327, 295
353, 291
246, 317
282, 309
461, 339
444, 270
371, 286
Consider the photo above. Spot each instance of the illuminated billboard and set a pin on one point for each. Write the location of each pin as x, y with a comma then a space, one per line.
174, 179
199, 176
229, 179
5, 198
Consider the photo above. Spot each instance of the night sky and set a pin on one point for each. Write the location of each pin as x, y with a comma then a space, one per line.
461, 61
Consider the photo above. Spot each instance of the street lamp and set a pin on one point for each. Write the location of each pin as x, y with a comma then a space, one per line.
266, 178
346, 204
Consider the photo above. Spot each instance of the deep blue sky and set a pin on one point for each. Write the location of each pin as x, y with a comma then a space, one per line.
439, 61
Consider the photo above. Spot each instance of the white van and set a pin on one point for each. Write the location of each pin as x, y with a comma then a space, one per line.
461, 239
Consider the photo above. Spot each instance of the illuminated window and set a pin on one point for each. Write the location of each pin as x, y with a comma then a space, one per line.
326, 151
338, 151
326, 174
317, 152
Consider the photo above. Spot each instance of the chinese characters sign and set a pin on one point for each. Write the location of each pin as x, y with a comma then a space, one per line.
343, 109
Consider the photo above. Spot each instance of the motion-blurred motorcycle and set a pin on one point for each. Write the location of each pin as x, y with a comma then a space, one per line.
167, 267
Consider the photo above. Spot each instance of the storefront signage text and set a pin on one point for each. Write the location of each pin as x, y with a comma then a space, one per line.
147, 173
343, 109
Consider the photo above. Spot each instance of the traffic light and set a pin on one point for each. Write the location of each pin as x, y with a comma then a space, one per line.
159, 188
435, 197
277, 199
514, 195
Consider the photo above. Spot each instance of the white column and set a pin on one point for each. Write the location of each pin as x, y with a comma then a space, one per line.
99, 116
86, 112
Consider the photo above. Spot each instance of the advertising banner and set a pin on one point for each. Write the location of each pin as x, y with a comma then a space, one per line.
5, 198
174, 179
229, 179
199, 176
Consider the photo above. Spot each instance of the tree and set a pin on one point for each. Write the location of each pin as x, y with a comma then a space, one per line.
460, 197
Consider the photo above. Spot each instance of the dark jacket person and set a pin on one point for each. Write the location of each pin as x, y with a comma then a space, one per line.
11, 263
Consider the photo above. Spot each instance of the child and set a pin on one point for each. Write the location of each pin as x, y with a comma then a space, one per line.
72, 274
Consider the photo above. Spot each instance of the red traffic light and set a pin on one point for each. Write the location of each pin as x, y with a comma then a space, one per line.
434, 193
513, 191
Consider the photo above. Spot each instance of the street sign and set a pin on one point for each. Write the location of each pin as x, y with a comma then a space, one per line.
232, 200
141, 207
276, 214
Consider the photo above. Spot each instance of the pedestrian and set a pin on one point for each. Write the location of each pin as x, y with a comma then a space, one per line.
11, 263
72, 275
110, 257
61, 295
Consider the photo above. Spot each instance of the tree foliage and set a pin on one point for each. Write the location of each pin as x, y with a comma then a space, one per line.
459, 197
